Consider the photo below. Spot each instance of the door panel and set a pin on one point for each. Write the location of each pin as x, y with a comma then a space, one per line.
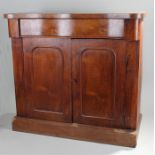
47, 78
98, 72
97, 82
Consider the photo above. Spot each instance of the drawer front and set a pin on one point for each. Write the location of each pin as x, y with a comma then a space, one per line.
75, 28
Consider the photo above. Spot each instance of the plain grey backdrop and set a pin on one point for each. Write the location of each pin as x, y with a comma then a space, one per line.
7, 97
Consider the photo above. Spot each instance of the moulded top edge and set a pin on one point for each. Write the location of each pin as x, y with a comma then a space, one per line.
138, 15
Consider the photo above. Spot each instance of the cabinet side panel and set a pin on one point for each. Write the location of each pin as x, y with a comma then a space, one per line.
132, 85
140, 68
18, 75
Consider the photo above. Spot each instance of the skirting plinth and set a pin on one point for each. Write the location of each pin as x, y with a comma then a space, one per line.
77, 131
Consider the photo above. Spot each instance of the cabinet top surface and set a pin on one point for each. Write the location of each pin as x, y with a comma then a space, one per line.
138, 15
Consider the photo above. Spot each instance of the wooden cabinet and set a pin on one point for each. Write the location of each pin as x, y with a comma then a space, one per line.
78, 75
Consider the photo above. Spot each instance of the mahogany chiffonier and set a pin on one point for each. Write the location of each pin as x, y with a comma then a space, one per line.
78, 75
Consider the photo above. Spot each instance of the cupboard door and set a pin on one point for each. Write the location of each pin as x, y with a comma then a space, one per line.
47, 78
98, 72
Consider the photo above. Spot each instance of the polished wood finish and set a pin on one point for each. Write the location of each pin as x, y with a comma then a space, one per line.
115, 136
116, 26
76, 73
95, 28
14, 31
138, 15
99, 73
47, 69
18, 61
